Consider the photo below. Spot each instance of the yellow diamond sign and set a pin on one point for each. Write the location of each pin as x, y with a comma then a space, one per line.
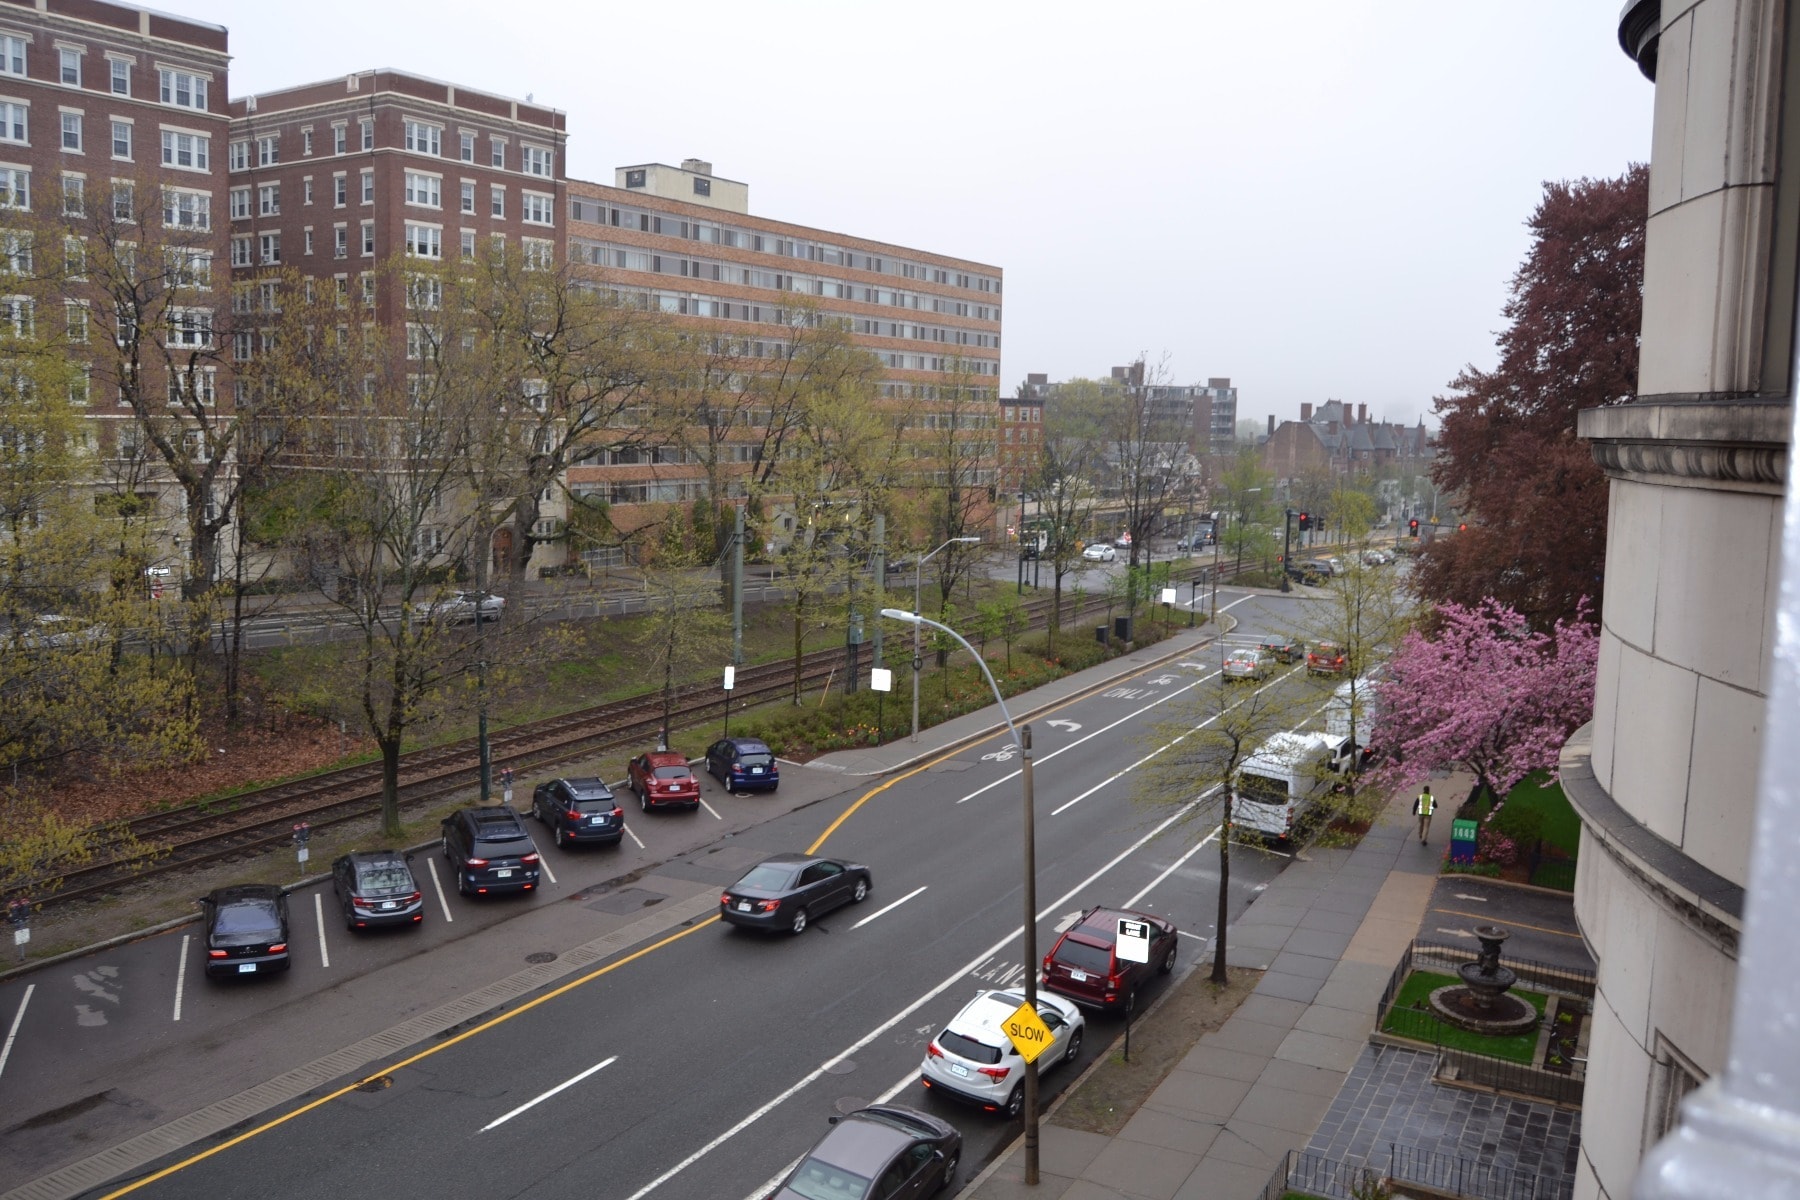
1030, 1036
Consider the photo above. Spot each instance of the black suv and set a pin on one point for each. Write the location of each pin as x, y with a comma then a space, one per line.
579, 810
1285, 649
489, 851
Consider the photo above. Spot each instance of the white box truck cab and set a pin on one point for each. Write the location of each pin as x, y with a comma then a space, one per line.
1279, 784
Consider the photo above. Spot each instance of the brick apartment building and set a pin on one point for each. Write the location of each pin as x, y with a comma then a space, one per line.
1334, 440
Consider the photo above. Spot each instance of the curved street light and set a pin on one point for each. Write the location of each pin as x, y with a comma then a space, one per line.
1021, 738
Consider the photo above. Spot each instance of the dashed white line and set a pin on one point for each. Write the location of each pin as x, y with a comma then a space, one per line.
545, 864
1176, 865
565, 1085
181, 974
319, 912
896, 904
18, 1017
709, 808
950, 981
437, 885
634, 837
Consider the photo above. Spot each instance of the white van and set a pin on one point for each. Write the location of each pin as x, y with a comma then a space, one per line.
1281, 782
1337, 712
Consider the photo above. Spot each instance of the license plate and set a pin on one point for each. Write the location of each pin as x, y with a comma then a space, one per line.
246, 968
1078, 976
674, 787
390, 904
756, 770
743, 906
506, 873
959, 1069
596, 820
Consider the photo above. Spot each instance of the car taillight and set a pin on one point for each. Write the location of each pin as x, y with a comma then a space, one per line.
478, 862
415, 898
278, 948
617, 812
574, 814
770, 905
995, 1073
215, 954
528, 859
725, 898
359, 902
1115, 982
932, 1051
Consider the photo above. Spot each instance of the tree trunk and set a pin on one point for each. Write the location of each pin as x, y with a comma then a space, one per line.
390, 786
1220, 920
799, 648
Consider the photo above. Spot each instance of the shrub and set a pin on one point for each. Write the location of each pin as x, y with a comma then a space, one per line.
1495, 847
1525, 826
1490, 870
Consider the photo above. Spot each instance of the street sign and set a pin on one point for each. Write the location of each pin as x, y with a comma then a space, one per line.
1029, 1035
881, 679
730, 678
1168, 595
1134, 941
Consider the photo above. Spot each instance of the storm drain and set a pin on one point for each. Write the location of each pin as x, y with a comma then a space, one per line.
540, 956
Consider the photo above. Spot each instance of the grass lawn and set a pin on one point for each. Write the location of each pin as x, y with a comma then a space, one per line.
1562, 829
1405, 1021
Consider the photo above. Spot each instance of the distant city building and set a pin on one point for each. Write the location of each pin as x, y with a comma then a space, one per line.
1333, 439
1207, 414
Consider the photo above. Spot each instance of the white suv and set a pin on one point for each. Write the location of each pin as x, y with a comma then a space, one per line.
974, 1060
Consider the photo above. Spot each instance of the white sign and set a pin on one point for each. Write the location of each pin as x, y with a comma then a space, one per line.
304, 853
730, 678
1168, 595
1134, 940
881, 679
21, 935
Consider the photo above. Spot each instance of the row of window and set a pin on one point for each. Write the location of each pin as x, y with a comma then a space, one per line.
419, 137
645, 221
422, 191
419, 241
182, 149
175, 88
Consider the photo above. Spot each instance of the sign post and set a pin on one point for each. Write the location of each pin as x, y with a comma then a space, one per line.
730, 683
18, 915
1132, 945
302, 834
506, 782
882, 680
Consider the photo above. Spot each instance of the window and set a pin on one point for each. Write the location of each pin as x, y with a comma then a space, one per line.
268, 200
187, 150
340, 190
425, 292
306, 143
189, 268
368, 291
468, 146
536, 160
424, 189
368, 239
368, 187
15, 188
540, 253
182, 89
193, 387
12, 55
81, 381
468, 245
77, 315
270, 244
424, 139
71, 132
242, 254
15, 123
74, 196
497, 200
124, 201
468, 195
68, 66
340, 242
368, 133
497, 155
183, 209
340, 137
121, 139
237, 156
16, 316
538, 209
15, 253
190, 328
268, 151
424, 241
306, 195
240, 203
309, 243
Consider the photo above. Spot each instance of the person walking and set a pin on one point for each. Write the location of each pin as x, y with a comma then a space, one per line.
1422, 809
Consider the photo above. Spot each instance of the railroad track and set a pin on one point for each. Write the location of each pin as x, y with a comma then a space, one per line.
252, 822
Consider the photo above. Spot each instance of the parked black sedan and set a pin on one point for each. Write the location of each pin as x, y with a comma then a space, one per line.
246, 930
883, 1150
579, 810
376, 887
788, 890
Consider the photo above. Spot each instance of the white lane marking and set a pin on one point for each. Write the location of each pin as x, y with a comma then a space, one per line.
709, 808
181, 975
438, 886
1176, 865
1103, 729
1196, 936
319, 912
954, 978
564, 1086
1466, 896
18, 1017
544, 864
889, 908
634, 837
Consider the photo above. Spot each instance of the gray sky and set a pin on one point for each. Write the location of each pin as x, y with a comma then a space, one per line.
1319, 199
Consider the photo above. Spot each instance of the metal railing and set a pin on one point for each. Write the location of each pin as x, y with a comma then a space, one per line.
1468, 1179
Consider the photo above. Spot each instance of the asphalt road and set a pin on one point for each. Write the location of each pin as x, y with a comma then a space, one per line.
685, 1059
1541, 924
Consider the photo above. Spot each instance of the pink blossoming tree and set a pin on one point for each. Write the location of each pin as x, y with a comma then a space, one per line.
1485, 691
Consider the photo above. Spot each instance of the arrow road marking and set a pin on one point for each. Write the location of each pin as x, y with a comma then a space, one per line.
1067, 920
1466, 896
1461, 933
563, 1086
1071, 726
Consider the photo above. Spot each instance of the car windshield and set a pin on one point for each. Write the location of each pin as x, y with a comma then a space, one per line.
968, 1047
247, 916
385, 879
755, 758
680, 772
818, 1180
767, 878
1084, 957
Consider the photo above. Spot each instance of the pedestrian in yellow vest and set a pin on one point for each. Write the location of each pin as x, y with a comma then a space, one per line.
1422, 807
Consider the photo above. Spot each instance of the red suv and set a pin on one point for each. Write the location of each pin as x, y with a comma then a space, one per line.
1326, 658
663, 777
1085, 967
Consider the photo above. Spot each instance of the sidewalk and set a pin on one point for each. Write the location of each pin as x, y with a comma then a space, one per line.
1327, 932
903, 752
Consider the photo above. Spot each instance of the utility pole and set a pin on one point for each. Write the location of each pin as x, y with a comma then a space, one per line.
878, 570
737, 588
1287, 546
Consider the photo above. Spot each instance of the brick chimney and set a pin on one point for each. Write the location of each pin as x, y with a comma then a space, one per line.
1305, 411
1271, 424
1362, 414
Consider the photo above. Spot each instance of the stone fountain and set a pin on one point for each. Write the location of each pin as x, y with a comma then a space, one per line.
1480, 1003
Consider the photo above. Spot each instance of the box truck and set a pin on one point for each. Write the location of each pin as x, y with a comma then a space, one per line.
1279, 784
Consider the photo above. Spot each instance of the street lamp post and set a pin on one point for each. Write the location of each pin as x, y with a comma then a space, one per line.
1287, 550
1021, 738
918, 663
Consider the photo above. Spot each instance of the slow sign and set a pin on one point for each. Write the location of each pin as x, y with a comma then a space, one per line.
1029, 1035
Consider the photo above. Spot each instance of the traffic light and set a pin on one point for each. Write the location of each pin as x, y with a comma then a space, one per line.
1412, 527
1463, 528
1305, 522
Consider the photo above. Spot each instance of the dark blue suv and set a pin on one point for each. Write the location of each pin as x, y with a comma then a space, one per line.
743, 765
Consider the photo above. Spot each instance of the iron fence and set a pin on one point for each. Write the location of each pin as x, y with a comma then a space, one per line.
1314, 1175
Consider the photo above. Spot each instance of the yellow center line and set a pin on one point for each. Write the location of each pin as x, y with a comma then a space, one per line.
1488, 918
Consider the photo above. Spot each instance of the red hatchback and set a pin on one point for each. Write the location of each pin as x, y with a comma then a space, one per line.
1084, 964
663, 777
1326, 658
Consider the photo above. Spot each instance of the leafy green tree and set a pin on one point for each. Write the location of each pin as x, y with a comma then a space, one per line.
1248, 491
1063, 484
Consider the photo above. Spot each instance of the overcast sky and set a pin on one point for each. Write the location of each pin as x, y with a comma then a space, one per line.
1320, 199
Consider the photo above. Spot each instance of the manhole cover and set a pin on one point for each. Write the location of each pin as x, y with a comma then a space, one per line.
841, 1067
375, 1084
850, 1104
540, 956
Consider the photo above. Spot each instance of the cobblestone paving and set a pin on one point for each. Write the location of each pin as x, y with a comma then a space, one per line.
1389, 1100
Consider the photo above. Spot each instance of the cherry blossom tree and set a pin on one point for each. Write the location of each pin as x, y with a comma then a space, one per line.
1487, 691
